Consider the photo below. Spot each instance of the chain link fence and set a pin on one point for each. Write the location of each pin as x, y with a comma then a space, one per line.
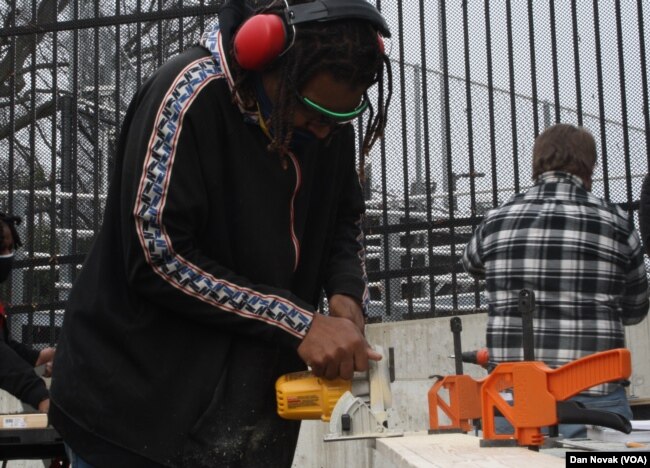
474, 82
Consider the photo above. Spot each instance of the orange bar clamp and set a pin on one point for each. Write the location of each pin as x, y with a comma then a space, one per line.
537, 389
464, 403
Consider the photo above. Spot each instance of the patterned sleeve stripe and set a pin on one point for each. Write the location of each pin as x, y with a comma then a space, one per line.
212, 41
150, 203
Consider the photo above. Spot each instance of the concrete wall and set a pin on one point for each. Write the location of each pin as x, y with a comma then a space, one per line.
638, 341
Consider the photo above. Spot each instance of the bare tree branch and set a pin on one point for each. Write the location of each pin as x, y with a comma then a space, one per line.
47, 13
44, 110
8, 20
25, 153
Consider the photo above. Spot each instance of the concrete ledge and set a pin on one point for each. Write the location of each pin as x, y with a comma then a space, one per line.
420, 450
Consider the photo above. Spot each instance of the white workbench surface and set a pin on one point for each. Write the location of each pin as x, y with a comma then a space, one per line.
421, 450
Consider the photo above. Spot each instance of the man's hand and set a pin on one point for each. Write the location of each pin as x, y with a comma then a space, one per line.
46, 356
335, 347
344, 306
44, 406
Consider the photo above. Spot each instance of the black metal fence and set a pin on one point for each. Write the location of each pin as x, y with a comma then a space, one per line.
475, 82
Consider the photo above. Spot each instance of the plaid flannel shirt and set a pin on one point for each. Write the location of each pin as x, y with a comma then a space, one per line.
582, 258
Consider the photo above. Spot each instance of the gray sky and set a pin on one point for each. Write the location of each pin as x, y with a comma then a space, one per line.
522, 85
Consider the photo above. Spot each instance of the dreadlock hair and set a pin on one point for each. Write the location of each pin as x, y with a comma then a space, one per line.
348, 49
11, 222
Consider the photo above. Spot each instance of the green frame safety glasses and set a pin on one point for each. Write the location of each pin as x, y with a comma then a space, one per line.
330, 117
347, 116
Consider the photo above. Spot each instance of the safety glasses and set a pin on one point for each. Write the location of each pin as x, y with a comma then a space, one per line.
329, 117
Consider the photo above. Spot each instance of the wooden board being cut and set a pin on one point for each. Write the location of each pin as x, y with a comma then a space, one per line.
420, 450
23, 421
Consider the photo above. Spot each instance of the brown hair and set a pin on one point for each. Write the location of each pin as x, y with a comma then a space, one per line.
567, 148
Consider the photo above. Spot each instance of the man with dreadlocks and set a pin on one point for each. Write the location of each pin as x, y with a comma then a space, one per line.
17, 361
235, 207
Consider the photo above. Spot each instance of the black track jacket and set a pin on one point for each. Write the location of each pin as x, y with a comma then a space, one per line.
204, 278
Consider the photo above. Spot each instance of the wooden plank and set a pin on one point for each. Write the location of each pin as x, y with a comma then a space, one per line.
420, 450
23, 421
638, 401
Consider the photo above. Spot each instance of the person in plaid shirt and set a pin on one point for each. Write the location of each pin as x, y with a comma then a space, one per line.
580, 255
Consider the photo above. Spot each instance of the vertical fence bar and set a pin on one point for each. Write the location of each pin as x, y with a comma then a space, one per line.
644, 79
490, 83
470, 136
447, 138
385, 237
388, 303
53, 296
405, 166
513, 103
417, 187
75, 144
12, 116
427, 157
96, 135
12, 147
117, 95
385, 242
443, 116
556, 85
66, 165
181, 28
202, 17
533, 66
67, 136
161, 44
601, 101
138, 53
9, 207
28, 291
624, 117
576, 60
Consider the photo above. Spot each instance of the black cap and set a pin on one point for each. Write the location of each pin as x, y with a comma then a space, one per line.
12, 221
330, 10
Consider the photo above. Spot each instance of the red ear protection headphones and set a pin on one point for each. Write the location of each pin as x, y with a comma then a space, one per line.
264, 37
